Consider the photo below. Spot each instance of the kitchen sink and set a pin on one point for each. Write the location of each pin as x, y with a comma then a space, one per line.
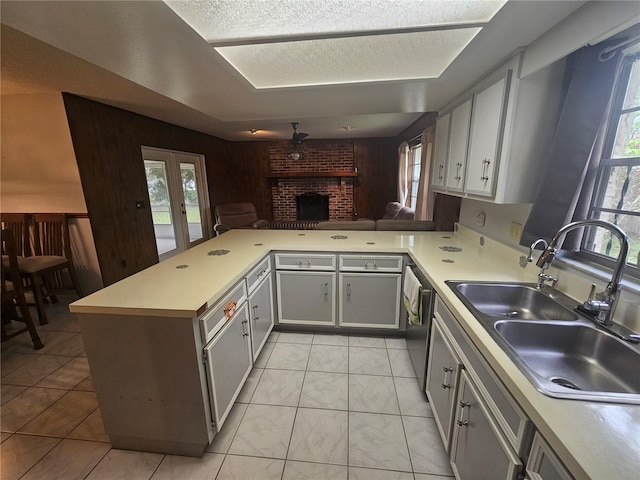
562, 352
573, 360
511, 300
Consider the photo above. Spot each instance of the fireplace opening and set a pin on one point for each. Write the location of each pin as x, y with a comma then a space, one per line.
312, 206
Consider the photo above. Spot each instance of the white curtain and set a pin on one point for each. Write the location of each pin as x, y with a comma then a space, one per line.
403, 187
424, 203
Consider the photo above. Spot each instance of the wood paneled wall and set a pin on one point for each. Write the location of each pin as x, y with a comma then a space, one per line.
377, 183
107, 143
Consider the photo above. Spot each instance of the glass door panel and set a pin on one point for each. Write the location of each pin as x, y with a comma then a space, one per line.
178, 198
190, 186
160, 201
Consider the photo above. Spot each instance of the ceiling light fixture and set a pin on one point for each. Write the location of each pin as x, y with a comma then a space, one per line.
253, 131
347, 128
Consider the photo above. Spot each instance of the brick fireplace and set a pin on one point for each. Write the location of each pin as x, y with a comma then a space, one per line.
316, 157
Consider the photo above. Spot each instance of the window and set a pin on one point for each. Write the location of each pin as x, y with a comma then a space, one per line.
617, 194
413, 174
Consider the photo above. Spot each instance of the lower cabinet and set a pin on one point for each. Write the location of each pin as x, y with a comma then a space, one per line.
228, 362
261, 314
485, 431
370, 300
306, 298
443, 376
478, 450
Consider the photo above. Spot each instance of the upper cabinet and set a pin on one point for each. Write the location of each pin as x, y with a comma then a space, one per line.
493, 141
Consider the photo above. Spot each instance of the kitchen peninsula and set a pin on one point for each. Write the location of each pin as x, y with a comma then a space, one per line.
161, 305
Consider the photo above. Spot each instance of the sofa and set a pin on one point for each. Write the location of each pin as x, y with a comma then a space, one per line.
380, 225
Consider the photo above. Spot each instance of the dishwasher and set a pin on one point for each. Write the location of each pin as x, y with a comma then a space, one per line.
417, 336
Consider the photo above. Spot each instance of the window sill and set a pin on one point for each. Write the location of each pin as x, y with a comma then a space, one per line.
597, 271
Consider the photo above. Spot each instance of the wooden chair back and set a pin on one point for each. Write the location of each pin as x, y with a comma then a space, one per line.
19, 224
13, 290
51, 237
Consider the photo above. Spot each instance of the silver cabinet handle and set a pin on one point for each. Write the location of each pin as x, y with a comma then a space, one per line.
244, 334
440, 168
485, 169
326, 288
348, 289
445, 378
373, 264
309, 263
255, 313
461, 422
458, 167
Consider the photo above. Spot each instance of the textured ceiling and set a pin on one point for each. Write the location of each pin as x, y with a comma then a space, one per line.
143, 57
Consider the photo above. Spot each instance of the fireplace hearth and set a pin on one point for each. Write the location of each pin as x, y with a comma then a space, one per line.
312, 206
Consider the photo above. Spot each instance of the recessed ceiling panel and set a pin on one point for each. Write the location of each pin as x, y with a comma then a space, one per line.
348, 60
223, 21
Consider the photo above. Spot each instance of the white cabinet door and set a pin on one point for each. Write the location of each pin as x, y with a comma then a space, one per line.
228, 358
457, 161
478, 450
370, 300
441, 152
485, 140
261, 314
306, 298
443, 373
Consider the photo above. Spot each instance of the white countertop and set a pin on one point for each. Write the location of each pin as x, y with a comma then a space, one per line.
595, 440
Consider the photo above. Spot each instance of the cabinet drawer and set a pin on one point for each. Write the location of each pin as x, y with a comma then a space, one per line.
215, 318
371, 263
516, 425
258, 273
305, 261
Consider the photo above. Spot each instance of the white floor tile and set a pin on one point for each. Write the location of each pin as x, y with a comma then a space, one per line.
279, 387
175, 467
425, 446
289, 337
401, 365
377, 441
222, 440
263, 358
237, 467
289, 356
313, 471
373, 394
357, 473
412, 400
250, 385
126, 465
329, 339
373, 342
319, 436
328, 358
325, 390
396, 343
264, 431
369, 361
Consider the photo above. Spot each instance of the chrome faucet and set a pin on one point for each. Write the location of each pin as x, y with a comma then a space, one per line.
542, 277
599, 307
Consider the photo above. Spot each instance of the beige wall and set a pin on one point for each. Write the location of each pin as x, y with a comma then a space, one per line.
38, 171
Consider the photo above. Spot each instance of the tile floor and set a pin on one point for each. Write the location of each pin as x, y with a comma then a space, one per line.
314, 407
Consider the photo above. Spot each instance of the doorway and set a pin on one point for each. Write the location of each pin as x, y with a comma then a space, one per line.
179, 199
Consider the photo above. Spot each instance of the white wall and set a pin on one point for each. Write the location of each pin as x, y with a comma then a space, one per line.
498, 218
39, 173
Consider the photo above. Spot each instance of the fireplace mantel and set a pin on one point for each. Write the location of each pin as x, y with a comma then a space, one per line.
303, 174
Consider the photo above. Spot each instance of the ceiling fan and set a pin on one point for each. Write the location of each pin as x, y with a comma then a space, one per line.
297, 138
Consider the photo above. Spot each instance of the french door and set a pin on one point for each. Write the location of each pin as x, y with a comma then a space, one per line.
179, 199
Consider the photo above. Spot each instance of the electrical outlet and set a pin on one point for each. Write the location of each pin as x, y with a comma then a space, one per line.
481, 218
515, 231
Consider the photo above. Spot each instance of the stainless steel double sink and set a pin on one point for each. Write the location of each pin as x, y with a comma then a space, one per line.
563, 353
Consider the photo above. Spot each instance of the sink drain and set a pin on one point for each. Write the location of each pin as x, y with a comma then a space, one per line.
563, 382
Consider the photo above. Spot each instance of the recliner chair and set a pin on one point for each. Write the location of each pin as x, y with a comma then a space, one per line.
237, 215
396, 211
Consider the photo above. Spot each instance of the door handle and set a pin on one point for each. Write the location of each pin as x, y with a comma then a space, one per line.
445, 377
461, 422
